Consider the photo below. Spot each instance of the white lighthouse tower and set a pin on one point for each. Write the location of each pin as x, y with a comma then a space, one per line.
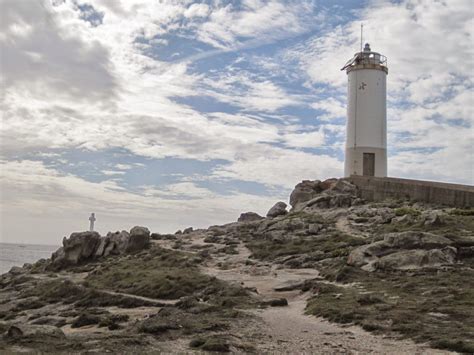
366, 141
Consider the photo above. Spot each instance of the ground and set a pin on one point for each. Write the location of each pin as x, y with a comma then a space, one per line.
280, 285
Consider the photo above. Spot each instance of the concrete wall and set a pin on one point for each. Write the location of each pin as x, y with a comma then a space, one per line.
377, 188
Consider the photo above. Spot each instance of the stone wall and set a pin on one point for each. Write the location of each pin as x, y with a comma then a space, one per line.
376, 188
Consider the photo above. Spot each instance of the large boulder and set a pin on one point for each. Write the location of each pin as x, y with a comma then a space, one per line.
77, 248
330, 193
116, 243
279, 209
343, 186
249, 217
404, 250
305, 191
139, 239
415, 240
415, 259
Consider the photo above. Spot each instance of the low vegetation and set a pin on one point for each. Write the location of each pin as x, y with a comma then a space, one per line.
402, 211
325, 246
163, 274
435, 306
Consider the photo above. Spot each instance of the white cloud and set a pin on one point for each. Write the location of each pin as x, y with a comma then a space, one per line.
333, 108
278, 167
232, 26
247, 92
197, 10
37, 55
112, 172
308, 139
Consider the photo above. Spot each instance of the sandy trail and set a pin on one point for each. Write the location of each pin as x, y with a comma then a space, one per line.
289, 329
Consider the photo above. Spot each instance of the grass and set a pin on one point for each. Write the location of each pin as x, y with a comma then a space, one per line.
162, 274
402, 211
322, 247
435, 306
67, 292
454, 225
462, 211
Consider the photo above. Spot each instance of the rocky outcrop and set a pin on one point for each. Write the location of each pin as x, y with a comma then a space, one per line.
249, 217
279, 209
77, 248
113, 244
139, 239
84, 246
305, 191
323, 194
415, 259
406, 250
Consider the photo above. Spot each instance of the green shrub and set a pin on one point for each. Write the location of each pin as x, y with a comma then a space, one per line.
407, 210
462, 211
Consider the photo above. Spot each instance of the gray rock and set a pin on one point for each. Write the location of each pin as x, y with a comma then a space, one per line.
403, 250
341, 200
314, 228
16, 270
322, 201
405, 219
278, 209
139, 239
305, 191
328, 183
287, 224
117, 243
415, 259
412, 240
77, 248
345, 187
249, 217
358, 202
433, 218
25, 331
101, 248
188, 230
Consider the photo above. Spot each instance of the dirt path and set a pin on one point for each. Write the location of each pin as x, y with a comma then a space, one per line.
289, 329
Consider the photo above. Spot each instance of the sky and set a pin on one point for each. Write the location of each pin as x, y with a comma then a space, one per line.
171, 114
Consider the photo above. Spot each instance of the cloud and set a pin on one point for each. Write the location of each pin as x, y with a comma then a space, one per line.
41, 57
334, 109
197, 10
229, 26
307, 139
277, 167
247, 92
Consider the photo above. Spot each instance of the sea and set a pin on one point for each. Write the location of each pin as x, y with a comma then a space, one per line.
19, 254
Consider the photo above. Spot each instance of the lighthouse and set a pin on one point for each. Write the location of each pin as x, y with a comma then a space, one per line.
366, 140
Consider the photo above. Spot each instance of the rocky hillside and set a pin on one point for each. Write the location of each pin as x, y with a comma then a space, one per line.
332, 274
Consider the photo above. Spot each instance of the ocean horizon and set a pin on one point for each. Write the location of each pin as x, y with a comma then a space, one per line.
19, 254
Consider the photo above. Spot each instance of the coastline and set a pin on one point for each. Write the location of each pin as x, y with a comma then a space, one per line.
18, 254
